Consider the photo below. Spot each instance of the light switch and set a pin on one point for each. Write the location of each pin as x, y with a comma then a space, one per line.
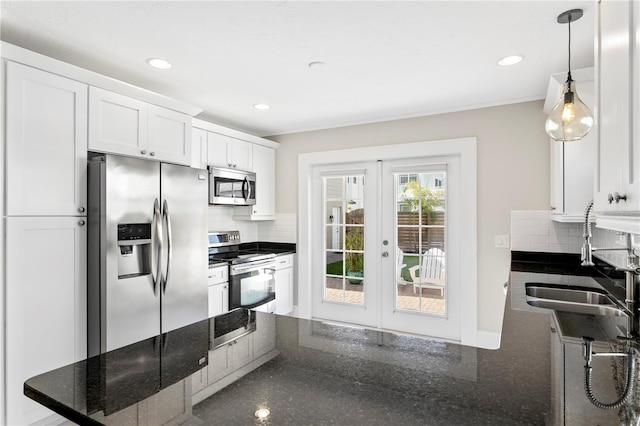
502, 241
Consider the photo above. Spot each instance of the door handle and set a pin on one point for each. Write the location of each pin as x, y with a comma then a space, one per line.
158, 224
167, 221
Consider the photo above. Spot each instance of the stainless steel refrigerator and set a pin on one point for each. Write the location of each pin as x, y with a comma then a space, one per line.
147, 250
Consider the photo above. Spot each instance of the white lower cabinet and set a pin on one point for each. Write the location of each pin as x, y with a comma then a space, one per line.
225, 359
45, 303
218, 290
247, 351
284, 284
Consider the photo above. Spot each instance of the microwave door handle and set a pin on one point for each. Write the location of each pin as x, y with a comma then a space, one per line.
158, 241
167, 221
245, 192
249, 192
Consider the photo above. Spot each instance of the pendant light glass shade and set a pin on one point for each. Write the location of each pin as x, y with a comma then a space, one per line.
570, 119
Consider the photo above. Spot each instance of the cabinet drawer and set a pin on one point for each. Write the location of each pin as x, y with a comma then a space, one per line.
218, 275
285, 261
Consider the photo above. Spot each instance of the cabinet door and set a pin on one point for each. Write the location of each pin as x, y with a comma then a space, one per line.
284, 291
169, 135
218, 150
264, 165
46, 143
45, 304
219, 364
264, 338
241, 154
578, 408
198, 148
618, 163
117, 124
218, 299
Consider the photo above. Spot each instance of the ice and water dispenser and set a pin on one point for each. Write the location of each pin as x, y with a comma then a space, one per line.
134, 249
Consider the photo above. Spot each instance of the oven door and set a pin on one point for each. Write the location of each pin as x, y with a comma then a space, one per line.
252, 284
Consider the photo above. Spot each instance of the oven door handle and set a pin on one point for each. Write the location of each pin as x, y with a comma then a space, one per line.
253, 265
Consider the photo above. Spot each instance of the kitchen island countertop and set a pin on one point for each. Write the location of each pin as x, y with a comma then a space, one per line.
325, 373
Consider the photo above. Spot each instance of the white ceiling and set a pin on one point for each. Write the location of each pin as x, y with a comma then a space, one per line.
384, 59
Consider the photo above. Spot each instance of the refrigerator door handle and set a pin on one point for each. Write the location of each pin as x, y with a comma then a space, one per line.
158, 226
167, 221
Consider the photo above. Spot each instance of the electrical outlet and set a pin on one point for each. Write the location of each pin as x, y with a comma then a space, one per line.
502, 241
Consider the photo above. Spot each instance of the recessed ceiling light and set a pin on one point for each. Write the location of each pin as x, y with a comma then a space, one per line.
262, 413
510, 60
161, 64
261, 106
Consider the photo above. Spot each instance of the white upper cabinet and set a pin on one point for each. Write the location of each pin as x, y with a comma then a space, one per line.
122, 125
618, 110
198, 148
225, 151
169, 135
46, 143
572, 165
264, 166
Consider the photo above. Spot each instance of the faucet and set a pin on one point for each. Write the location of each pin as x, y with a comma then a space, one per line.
631, 270
632, 281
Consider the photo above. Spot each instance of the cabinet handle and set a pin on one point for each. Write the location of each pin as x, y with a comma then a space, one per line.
616, 197
143, 152
152, 153
81, 222
81, 209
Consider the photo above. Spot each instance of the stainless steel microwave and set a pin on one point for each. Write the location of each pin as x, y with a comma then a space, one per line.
232, 187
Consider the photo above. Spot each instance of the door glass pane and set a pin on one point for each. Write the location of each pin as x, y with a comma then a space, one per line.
420, 200
344, 239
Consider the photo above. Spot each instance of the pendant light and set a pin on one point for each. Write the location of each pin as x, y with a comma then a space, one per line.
570, 119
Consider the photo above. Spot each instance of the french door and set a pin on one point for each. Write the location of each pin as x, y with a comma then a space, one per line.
387, 246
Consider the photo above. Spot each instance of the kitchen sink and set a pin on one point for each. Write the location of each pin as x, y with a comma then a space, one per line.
569, 298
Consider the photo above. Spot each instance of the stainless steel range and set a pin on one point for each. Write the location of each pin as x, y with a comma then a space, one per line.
251, 275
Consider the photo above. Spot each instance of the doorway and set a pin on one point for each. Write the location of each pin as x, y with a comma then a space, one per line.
380, 241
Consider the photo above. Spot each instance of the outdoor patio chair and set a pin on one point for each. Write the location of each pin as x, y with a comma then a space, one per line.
430, 273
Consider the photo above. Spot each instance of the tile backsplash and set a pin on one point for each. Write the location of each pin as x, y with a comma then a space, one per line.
533, 230
281, 230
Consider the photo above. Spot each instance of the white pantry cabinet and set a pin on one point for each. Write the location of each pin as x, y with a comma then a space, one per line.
228, 152
284, 284
46, 143
618, 108
264, 166
122, 125
45, 303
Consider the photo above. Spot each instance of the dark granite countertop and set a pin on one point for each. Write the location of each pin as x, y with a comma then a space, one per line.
260, 247
328, 374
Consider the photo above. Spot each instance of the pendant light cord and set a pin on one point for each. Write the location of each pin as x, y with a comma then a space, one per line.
569, 23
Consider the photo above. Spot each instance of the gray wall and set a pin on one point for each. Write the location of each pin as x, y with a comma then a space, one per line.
513, 174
